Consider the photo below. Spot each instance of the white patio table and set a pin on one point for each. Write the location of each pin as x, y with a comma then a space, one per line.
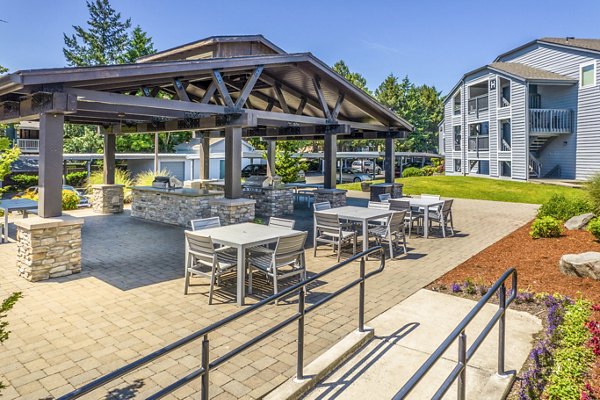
359, 214
11, 205
423, 204
242, 237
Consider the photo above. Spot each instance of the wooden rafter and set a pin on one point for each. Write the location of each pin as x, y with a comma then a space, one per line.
324, 107
281, 98
180, 90
247, 89
300, 109
223, 91
338, 105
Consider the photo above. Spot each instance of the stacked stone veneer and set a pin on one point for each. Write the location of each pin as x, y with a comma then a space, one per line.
272, 202
48, 247
171, 208
337, 197
107, 199
233, 211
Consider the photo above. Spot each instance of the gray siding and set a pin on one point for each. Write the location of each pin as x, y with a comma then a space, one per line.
520, 142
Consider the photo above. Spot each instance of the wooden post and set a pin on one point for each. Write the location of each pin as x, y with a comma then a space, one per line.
233, 162
271, 152
156, 145
109, 158
330, 152
389, 162
50, 165
204, 154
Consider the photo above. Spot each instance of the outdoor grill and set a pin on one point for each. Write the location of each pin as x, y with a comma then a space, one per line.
166, 182
254, 183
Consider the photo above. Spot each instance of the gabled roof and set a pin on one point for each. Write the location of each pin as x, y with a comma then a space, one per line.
526, 72
195, 45
591, 45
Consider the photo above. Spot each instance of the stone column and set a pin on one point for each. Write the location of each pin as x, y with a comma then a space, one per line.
51, 165
233, 211
107, 199
337, 197
48, 247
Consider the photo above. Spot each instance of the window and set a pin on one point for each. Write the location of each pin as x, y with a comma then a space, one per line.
505, 169
588, 75
479, 139
457, 165
505, 135
456, 104
457, 138
504, 93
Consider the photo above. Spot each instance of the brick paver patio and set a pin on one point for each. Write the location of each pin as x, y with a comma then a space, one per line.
129, 301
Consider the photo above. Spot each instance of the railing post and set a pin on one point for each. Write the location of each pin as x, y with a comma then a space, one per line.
361, 297
301, 311
501, 329
462, 360
205, 367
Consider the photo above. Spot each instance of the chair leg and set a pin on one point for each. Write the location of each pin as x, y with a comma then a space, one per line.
187, 281
212, 285
443, 224
275, 285
315, 247
339, 251
250, 279
451, 223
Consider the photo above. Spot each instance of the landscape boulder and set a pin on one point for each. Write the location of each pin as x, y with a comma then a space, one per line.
579, 221
581, 265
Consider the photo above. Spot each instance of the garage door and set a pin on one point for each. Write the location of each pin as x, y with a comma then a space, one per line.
176, 168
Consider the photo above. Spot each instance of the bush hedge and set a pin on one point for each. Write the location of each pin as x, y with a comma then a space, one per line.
562, 208
76, 179
594, 228
412, 171
546, 227
23, 181
70, 200
593, 189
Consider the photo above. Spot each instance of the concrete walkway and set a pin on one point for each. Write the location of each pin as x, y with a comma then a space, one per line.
407, 334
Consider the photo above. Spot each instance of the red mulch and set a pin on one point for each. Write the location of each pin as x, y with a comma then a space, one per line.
536, 261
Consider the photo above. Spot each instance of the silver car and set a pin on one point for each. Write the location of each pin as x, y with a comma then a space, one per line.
351, 175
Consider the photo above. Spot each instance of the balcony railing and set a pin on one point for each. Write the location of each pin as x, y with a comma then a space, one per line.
456, 109
478, 104
550, 121
29, 145
504, 145
479, 143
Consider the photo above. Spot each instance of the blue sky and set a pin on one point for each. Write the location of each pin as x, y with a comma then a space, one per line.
432, 42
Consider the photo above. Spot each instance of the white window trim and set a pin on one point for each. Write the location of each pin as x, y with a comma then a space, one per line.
499, 134
581, 66
499, 92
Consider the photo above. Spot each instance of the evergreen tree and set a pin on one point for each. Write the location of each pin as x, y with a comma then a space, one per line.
106, 40
353, 77
3, 69
139, 45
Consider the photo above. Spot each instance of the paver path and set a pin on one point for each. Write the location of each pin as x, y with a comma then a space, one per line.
129, 301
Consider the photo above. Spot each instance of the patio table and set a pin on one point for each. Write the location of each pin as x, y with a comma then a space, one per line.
359, 214
242, 237
15, 205
422, 204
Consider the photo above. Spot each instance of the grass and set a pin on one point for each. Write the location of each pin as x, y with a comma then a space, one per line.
466, 187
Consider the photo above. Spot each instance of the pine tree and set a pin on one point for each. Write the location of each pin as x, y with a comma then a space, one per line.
106, 40
353, 77
139, 45
3, 69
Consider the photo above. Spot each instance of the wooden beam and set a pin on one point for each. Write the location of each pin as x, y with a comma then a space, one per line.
180, 90
37, 103
281, 98
338, 105
267, 78
317, 85
248, 87
300, 109
218, 79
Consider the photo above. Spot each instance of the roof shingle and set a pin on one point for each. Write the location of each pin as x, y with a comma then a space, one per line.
587, 44
527, 72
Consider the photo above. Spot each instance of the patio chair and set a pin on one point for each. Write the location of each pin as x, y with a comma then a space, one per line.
325, 205
282, 223
443, 216
286, 260
411, 216
430, 196
392, 232
206, 260
329, 230
205, 223
385, 197
379, 206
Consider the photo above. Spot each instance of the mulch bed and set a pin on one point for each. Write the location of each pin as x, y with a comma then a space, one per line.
536, 261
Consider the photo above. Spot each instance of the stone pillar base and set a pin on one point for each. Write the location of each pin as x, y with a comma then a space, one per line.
337, 197
233, 211
107, 199
48, 247
272, 202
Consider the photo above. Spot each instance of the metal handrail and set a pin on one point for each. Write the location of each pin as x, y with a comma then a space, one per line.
207, 365
464, 354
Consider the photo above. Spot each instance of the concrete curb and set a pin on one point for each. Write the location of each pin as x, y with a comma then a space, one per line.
293, 389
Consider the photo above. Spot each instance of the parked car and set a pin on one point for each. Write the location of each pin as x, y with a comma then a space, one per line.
83, 200
365, 166
352, 175
261, 170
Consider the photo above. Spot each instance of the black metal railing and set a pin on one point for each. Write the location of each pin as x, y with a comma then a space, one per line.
479, 143
464, 355
206, 365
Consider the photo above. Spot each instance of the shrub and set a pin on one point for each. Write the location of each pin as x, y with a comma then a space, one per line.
594, 228
23, 181
593, 189
546, 227
412, 171
428, 171
563, 208
70, 200
145, 178
77, 179
5, 307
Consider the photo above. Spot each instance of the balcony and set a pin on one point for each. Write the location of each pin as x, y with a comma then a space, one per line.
550, 121
478, 104
479, 143
29, 145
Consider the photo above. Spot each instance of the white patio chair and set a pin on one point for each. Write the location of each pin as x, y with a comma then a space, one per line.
431, 197
206, 260
329, 230
385, 197
205, 223
282, 223
392, 232
443, 216
286, 260
411, 216
325, 205
375, 205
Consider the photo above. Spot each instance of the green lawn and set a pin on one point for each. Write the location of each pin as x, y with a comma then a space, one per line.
480, 188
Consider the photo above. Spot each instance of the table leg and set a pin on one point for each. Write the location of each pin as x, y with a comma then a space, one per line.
241, 275
426, 222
